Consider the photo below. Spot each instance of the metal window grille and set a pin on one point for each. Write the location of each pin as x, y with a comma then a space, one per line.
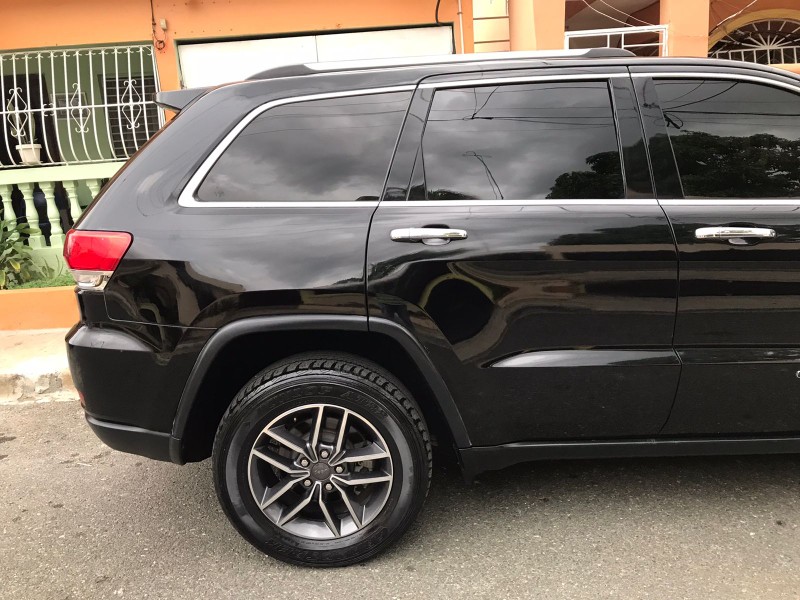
648, 40
767, 42
77, 105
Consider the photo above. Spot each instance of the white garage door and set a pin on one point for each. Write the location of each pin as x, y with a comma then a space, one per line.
222, 62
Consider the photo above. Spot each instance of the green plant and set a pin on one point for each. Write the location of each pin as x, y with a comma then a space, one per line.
57, 281
16, 262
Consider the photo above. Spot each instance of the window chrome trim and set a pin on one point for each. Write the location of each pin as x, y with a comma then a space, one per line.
721, 201
795, 87
522, 79
538, 202
592, 202
187, 197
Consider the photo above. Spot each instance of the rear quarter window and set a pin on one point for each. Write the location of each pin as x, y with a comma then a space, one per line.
329, 150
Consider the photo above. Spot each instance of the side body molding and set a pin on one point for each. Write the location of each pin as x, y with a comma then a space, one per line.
229, 332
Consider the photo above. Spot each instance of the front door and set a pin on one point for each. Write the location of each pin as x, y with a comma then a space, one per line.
736, 217
519, 240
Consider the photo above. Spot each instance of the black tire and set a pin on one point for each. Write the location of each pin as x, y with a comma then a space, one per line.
344, 381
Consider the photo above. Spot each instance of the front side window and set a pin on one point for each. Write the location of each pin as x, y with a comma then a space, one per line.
733, 139
519, 142
331, 150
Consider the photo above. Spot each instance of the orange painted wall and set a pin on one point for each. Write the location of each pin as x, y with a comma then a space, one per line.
42, 308
48, 23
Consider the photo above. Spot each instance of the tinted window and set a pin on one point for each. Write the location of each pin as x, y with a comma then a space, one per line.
733, 139
518, 142
336, 149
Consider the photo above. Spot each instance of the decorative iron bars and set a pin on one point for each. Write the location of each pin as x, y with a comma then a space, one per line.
767, 42
77, 105
648, 40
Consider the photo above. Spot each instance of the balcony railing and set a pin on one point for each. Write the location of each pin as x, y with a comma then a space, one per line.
50, 199
76, 105
648, 40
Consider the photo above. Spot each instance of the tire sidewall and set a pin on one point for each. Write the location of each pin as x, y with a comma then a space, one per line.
368, 400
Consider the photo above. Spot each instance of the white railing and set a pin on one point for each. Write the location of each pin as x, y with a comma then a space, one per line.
650, 40
50, 199
76, 105
764, 56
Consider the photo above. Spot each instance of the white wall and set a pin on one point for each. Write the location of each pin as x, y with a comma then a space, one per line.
214, 63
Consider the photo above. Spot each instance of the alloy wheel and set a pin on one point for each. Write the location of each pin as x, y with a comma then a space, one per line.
320, 471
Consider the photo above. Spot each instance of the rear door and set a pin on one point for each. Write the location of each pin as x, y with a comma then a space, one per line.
734, 203
519, 240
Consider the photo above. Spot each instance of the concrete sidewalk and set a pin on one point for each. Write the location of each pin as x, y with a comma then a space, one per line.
33, 366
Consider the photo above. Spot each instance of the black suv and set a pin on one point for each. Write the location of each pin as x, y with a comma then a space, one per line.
315, 275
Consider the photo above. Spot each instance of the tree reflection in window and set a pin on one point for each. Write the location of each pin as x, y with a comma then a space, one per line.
522, 141
733, 139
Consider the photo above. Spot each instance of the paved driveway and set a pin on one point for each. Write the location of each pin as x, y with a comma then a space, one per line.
80, 521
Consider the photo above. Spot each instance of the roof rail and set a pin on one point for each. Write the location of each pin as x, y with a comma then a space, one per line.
376, 63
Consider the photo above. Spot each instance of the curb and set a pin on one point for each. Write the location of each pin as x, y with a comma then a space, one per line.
17, 389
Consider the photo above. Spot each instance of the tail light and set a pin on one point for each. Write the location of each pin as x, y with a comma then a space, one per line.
92, 256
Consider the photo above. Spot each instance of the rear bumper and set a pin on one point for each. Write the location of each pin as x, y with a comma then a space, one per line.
135, 440
130, 384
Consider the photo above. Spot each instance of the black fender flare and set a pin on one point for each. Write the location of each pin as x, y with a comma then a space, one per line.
378, 326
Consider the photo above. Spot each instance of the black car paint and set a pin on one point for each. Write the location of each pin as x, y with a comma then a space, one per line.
736, 327
473, 303
536, 278
614, 287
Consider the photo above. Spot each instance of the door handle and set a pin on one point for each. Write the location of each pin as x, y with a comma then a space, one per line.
433, 236
733, 233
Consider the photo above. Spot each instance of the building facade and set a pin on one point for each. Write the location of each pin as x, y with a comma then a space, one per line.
77, 77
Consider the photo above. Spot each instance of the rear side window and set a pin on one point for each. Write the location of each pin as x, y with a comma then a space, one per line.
331, 150
519, 142
733, 139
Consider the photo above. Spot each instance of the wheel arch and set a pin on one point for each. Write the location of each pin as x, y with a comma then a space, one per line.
248, 345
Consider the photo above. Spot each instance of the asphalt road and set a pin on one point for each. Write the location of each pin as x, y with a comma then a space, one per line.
81, 521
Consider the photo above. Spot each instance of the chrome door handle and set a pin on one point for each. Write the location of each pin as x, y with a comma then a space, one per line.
732, 233
428, 235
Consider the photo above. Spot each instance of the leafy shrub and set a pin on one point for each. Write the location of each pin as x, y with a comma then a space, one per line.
16, 263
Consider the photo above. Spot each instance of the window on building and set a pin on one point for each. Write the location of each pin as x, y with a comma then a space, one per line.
519, 142
767, 42
733, 139
337, 149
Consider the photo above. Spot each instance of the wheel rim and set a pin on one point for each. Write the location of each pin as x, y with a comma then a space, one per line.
320, 471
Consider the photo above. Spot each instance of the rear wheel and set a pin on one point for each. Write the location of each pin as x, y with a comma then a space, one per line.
322, 461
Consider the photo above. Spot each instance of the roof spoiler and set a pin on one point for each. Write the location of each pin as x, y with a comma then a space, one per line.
177, 100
